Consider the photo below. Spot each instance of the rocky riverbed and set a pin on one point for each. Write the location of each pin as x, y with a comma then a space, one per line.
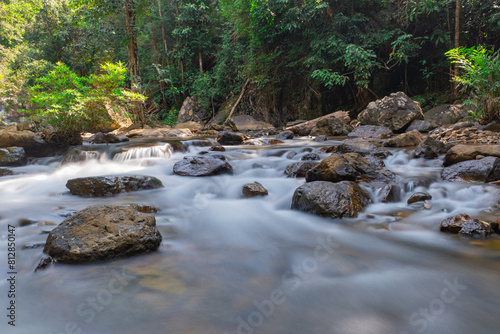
293, 233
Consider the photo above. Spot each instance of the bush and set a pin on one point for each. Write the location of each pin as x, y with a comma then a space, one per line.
480, 79
70, 103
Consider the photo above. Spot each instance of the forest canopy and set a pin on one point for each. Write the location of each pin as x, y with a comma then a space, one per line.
303, 58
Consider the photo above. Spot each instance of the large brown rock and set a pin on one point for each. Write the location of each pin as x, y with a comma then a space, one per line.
349, 167
412, 138
331, 126
396, 112
104, 186
188, 111
13, 156
459, 153
483, 170
103, 232
191, 125
335, 200
465, 225
447, 114
203, 166
32, 143
305, 128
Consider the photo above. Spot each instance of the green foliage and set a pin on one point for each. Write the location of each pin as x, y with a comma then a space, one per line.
480, 76
71, 103
170, 118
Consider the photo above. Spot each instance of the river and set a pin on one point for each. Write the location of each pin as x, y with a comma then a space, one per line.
234, 265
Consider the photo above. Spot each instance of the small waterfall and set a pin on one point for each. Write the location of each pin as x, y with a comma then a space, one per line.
135, 153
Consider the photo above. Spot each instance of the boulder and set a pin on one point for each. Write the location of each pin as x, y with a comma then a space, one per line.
299, 169
305, 128
248, 123
103, 232
77, 155
459, 153
349, 167
32, 143
6, 172
465, 225
254, 190
331, 126
187, 111
396, 112
230, 138
103, 186
285, 135
107, 138
13, 156
361, 147
430, 148
412, 138
191, 125
371, 132
335, 200
419, 197
421, 125
447, 114
203, 166
483, 170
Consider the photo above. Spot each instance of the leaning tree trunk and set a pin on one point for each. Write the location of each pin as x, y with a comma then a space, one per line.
133, 58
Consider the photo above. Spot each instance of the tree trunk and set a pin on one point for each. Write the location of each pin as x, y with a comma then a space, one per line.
457, 45
200, 60
133, 58
156, 54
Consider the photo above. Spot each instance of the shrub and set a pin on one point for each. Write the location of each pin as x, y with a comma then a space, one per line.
70, 103
480, 79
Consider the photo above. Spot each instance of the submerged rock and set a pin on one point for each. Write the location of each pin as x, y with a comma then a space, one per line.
396, 112
419, 197
203, 166
103, 232
335, 200
465, 225
103, 186
77, 155
483, 170
253, 190
310, 157
13, 156
349, 167
6, 172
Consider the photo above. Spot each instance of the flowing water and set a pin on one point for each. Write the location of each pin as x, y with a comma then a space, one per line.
234, 265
